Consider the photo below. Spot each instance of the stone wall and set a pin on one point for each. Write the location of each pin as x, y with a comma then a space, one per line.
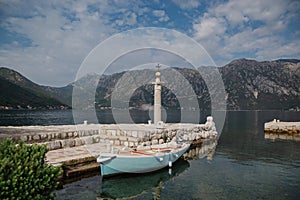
282, 130
131, 135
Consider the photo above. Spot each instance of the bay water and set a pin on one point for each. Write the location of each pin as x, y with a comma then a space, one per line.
244, 165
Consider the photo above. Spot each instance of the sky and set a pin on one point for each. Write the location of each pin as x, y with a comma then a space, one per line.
48, 40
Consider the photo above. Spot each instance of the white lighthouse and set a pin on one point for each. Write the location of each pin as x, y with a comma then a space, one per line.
157, 96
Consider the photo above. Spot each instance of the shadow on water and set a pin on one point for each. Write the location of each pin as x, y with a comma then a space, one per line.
126, 186
135, 186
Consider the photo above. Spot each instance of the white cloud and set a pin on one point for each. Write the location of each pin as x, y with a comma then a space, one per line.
161, 15
252, 28
59, 44
187, 4
237, 12
209, 27
62, 33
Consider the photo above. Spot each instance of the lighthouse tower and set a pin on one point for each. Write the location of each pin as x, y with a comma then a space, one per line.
157, 96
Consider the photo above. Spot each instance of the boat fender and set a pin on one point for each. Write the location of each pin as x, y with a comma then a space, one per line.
161, 159
176, 155
170, 163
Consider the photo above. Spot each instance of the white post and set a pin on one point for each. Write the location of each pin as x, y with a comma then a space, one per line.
157, 97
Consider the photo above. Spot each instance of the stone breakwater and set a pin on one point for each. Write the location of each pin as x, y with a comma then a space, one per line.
76, 147
130, 135
282, 130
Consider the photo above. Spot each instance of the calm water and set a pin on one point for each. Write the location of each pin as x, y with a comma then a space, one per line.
244, 166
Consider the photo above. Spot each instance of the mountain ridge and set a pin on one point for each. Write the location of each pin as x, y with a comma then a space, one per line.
249, 85
18, 92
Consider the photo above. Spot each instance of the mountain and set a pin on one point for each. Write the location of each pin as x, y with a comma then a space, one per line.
18, 92
249, 85
262, 85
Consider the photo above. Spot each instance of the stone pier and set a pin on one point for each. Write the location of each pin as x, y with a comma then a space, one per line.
76, 147
282, 130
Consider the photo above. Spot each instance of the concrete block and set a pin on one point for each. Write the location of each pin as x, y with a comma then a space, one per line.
113, 133
78, 142
134, 133
126, 144
141, 135
117, 142
70, 134
133, 139
123, 138
145, 139
24, 138
63, 135
154, 141
36, 137
161, 141
54, 145
88, 140
131, 144
44, 136
56, 135
68, 143
96, 139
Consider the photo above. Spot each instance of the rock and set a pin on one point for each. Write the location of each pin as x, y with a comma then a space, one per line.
185, 137
78, 142
54, 145
158, 136
63, 135
24, 138
70, 134
117, 142
131, 144
36, 137
43, 136
68, 143
154, 142
134, 134
88, 140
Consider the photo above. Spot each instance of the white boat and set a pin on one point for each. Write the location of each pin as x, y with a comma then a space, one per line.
143, 160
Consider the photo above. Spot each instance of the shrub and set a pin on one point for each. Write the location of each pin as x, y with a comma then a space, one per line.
24, 173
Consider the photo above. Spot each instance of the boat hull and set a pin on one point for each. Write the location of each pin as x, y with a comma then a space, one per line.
114, 164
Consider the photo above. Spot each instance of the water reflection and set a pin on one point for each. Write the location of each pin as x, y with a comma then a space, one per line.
133, 186
272, 137
205, 149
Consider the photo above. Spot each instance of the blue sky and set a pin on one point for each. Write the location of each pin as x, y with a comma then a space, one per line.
48, 40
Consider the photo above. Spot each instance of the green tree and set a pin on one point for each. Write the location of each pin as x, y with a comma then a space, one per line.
24, 173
